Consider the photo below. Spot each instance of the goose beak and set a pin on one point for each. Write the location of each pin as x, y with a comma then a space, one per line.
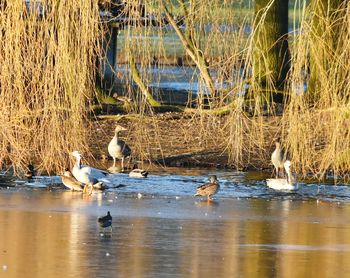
120, 128
75, 154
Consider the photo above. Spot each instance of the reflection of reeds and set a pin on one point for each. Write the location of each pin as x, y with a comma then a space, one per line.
47, 68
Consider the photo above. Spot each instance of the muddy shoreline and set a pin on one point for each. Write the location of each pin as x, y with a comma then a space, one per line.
167, 139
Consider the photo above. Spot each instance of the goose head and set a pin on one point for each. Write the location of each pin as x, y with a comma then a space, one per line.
119, 128
76, 154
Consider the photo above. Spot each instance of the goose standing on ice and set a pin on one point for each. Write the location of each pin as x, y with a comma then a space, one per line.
283, 184
87, 175
117, 148
278, 158
208, 189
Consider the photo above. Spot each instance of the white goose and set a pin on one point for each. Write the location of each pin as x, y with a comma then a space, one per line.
87, 175
283, 184
117, 148
278, 158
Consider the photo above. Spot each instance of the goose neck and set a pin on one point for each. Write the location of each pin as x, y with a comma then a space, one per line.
116, 134
289, 178
78, 162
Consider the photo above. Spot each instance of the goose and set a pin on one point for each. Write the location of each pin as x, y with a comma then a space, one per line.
87, 175
278, 158
117, 148
283, 184
105, 221
208, 189
70, 182
138, 173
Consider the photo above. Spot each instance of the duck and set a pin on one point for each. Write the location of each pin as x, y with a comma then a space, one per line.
105, 221
284, 184
209, 189
278, 158
31, 172
73, 184
70, 182
138, 173
99, 186
87, 175
117, 148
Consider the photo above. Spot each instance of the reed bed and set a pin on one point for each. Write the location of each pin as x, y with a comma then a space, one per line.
312, 123
47, 62
48, 79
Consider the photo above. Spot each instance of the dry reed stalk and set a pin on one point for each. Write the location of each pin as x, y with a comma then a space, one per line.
207, 128
47, 75
317, 122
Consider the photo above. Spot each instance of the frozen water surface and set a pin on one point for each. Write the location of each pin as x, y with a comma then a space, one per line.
161, 230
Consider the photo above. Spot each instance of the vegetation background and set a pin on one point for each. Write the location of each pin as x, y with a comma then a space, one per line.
268, 70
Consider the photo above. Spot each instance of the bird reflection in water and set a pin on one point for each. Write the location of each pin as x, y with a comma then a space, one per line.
206, 203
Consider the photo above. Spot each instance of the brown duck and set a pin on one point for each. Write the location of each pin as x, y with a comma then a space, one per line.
70, 182
208, 189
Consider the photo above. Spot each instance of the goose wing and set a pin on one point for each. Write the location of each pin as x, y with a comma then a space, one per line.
87, 174
125, 149
97, 173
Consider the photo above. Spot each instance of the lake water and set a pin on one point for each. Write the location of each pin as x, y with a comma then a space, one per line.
175, 78
161, 230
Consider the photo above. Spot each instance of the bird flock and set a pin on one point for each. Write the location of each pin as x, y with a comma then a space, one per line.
278, 159
87, 179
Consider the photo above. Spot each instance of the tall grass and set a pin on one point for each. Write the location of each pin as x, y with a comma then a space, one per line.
313, 123
47, 62
316, 122
48, 74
